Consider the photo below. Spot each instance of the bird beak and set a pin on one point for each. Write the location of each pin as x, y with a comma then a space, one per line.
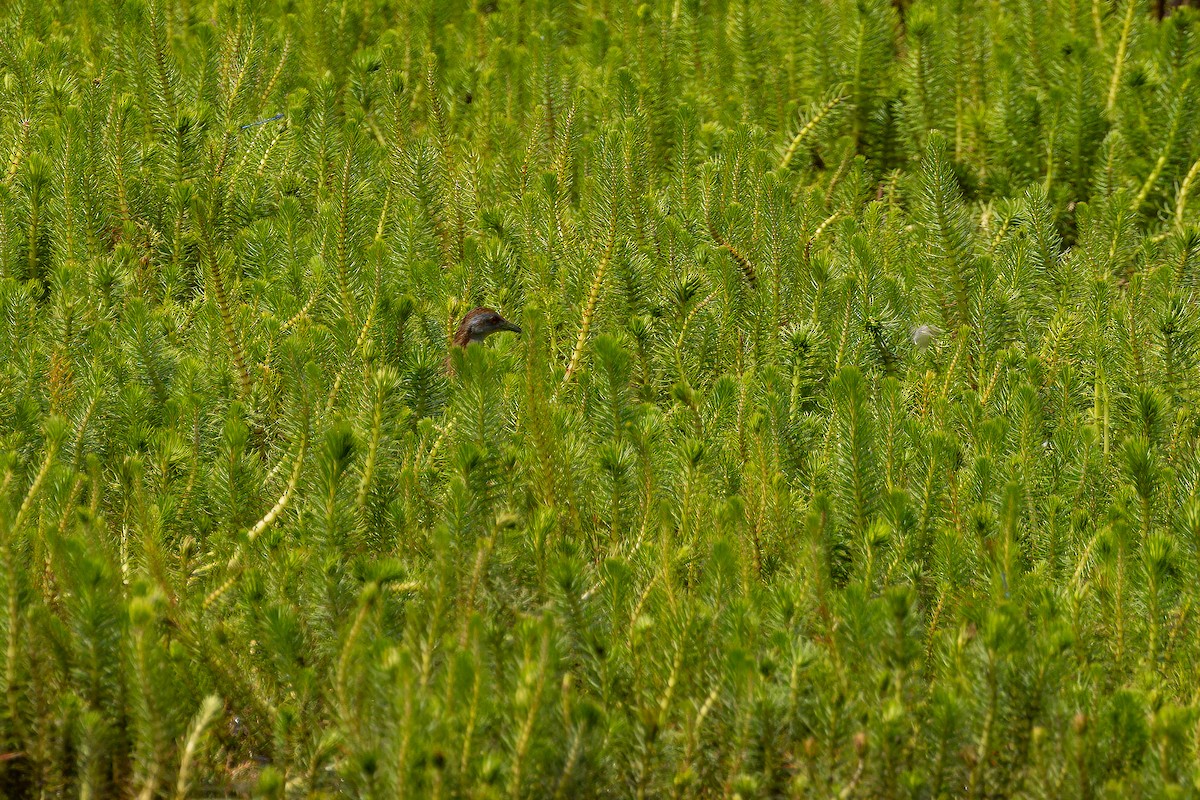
505, 325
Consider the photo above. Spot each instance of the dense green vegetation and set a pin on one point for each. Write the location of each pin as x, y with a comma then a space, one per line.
722, 522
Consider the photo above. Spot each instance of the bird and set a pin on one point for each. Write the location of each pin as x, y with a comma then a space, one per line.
923, 335
477, 325
480, 323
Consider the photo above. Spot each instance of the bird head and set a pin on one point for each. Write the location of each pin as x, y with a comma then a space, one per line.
923, 335
481, 323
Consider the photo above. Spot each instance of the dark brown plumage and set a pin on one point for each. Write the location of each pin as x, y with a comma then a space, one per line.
481, 323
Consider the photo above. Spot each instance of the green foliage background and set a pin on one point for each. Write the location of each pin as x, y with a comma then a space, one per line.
713, 525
